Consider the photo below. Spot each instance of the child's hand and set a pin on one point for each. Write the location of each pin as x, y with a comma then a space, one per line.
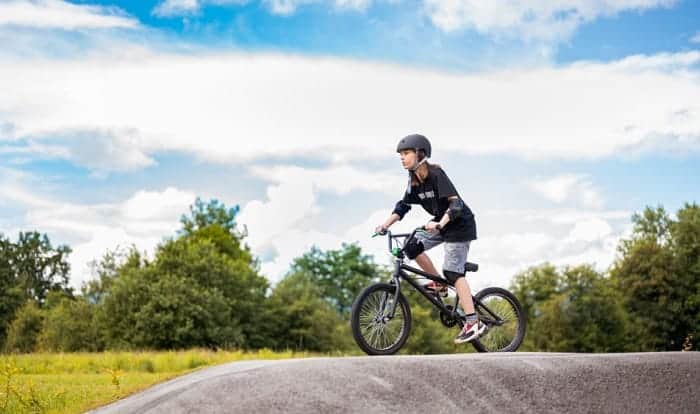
432, 226
381, 229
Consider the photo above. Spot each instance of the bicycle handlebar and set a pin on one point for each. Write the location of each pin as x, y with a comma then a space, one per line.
390, 236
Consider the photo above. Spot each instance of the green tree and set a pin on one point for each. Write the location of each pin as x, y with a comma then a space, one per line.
203, 215
166, 311
38, 266
533, 288
23, 334
10, 294
573, 310
658, 273
339, 274
303, 320
70, 325
29, 269
585, 315
201, 289
106, 270
685, 236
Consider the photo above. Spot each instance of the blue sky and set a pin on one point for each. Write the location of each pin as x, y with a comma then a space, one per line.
556, 124
402, 32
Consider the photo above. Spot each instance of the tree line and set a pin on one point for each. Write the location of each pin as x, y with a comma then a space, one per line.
203, 288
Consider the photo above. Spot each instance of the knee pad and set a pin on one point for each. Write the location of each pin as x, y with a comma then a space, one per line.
413, 249
452, 276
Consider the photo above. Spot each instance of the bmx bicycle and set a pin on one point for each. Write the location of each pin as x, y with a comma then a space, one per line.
381, 316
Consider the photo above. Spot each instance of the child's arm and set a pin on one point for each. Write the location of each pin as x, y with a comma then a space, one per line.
454, 200
393, 218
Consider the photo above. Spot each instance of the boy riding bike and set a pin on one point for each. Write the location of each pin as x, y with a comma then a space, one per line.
453, 224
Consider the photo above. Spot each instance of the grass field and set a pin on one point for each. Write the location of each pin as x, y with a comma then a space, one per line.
74, 383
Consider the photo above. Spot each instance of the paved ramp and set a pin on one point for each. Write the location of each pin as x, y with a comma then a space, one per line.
481, 383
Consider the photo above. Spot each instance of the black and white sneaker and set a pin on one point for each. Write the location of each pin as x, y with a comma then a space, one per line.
470, 332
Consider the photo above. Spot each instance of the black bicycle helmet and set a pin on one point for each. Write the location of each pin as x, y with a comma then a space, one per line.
415, 142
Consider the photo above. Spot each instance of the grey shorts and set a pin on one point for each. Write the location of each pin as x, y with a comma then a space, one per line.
455, 252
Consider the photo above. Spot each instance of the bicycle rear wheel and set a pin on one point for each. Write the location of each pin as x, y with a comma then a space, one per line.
504, 319
375, 332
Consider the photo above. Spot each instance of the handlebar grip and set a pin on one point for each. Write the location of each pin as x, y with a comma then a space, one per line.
380, 233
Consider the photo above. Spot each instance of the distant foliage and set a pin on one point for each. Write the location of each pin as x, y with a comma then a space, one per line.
70, 325
303, 320
338, 274
30, 269
23, 333
39, 267
648, 301
658, 275
203, 288
572, 310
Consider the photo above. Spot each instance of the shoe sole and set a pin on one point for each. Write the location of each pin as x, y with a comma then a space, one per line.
442, 291
471, 338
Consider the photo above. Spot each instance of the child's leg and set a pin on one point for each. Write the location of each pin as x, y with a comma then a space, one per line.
453, 267
416, 250
465, 295
426, 264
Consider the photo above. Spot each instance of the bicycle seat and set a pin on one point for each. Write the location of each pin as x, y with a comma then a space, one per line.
471, 267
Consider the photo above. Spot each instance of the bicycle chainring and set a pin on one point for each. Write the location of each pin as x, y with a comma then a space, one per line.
447, 319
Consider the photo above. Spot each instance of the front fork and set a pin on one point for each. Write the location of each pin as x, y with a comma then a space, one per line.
396, 281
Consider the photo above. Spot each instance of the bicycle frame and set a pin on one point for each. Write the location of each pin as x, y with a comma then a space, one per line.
400, 269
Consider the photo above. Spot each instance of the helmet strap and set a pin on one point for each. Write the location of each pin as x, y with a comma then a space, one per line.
415, 167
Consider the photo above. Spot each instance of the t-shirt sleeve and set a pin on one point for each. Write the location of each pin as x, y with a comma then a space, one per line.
445, 187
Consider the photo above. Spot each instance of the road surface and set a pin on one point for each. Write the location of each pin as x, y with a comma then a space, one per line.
481, 383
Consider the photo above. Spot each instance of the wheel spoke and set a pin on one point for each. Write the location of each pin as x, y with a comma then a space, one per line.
499, 337
379, 333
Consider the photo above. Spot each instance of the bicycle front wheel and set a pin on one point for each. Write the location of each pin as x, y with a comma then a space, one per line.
504, 318
374, 329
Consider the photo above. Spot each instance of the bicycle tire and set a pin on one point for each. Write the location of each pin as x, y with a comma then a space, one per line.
362, 309
488, 344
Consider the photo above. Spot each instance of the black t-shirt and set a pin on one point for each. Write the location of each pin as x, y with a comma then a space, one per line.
432, 195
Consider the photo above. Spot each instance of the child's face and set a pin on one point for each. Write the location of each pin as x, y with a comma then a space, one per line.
408, 158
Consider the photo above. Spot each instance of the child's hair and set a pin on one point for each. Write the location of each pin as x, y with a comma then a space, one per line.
421, 173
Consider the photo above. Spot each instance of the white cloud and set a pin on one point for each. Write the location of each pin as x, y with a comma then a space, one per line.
588, 240
142, 220
286, 7
353, 4
563, 237
99, 151
236, 107
533, 20
281, 228
590, 230
565, 216
568, 187
176, 7
338, 179
170, 8
58, 14
286, 205
279, 225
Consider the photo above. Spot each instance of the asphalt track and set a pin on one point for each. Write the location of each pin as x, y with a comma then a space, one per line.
481, 383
